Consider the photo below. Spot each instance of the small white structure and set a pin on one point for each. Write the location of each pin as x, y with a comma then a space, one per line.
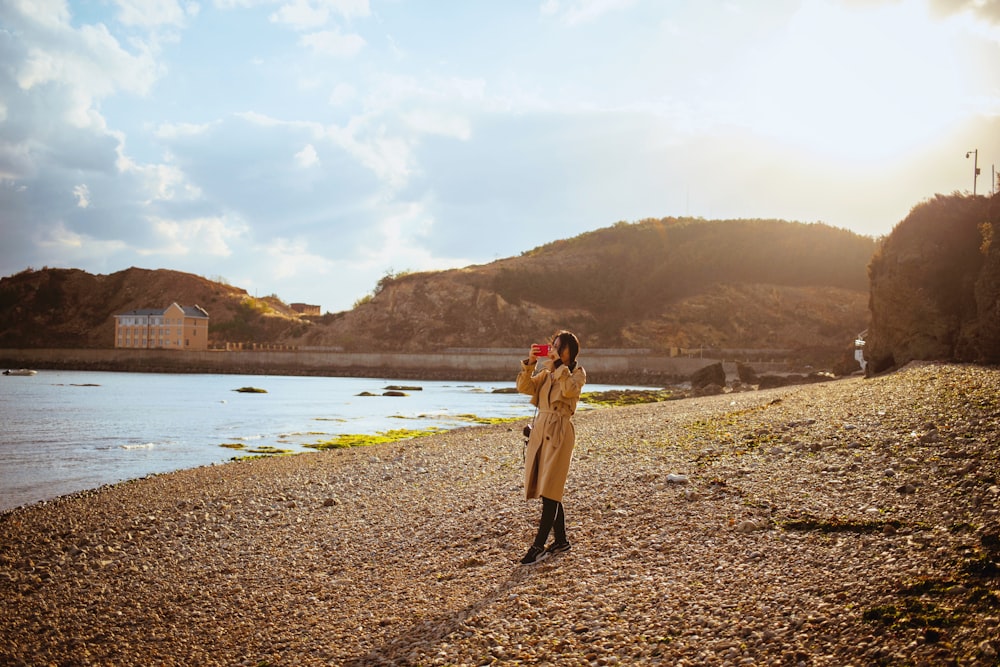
859, 349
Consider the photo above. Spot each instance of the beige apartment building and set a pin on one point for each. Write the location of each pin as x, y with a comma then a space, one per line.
173, 328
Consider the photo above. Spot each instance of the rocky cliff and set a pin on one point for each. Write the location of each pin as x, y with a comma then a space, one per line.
935, 285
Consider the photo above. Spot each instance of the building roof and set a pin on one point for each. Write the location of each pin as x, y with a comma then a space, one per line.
194, 311
189, 311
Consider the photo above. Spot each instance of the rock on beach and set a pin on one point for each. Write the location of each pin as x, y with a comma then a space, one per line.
787, 544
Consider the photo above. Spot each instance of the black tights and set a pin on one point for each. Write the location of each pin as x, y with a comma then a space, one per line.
553, 518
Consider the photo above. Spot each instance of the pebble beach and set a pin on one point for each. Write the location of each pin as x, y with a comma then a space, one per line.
851, 522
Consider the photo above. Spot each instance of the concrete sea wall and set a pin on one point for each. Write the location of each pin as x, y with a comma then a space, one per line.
605, 367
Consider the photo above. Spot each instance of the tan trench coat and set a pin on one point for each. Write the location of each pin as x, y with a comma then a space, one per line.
550, 447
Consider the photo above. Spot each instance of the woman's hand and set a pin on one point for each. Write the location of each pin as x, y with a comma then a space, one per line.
533, 354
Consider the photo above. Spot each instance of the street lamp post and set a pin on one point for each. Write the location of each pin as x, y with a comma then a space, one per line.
975, 172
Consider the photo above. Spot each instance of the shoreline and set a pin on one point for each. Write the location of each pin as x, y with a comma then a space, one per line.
611, 366
850, 522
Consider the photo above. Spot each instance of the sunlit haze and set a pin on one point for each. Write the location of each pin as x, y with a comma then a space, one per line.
306, 148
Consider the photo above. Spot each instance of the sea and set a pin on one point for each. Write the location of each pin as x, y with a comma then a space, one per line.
67, 431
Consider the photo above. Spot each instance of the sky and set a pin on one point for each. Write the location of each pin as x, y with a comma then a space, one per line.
308, 148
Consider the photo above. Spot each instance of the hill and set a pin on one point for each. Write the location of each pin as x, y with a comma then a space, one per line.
69, 308
653, 284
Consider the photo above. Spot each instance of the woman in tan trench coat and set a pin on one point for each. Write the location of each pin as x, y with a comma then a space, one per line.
554, 390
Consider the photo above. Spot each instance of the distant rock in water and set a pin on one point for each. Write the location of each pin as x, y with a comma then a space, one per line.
746, 373
713, 374
935, 285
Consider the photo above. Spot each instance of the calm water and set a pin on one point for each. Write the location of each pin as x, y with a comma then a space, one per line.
66, 431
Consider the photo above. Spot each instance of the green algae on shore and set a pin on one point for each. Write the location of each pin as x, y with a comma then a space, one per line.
364, 439
630, 396
268, 450
263, 451
465, 417
476, 419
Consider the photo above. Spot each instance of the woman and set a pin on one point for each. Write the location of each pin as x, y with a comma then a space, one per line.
555, 390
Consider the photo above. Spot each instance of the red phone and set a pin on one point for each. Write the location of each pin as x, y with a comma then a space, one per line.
543, 350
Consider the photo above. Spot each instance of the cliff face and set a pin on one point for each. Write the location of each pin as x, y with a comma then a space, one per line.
985, 334
935, 284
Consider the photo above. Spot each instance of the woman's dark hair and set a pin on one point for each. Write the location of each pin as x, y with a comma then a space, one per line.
568, 338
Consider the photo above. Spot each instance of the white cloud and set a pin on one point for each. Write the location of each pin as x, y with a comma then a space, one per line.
201, 236
391, 92
307, 14
61, 237
401, 242
91, 61
74, 67
431, 121
82, 194
987, 9
333, 43
69, 246
301, 15
151, 13
158, 182
49, 13
240, 4
291, 257
176, 130
307, 157
573, 12
349, 8
388, 157
16, 159
342, 94
549, 7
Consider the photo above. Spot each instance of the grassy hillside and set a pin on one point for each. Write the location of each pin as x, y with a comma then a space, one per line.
630, 270
654, 284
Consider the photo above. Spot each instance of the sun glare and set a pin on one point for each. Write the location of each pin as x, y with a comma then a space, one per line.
858, 84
